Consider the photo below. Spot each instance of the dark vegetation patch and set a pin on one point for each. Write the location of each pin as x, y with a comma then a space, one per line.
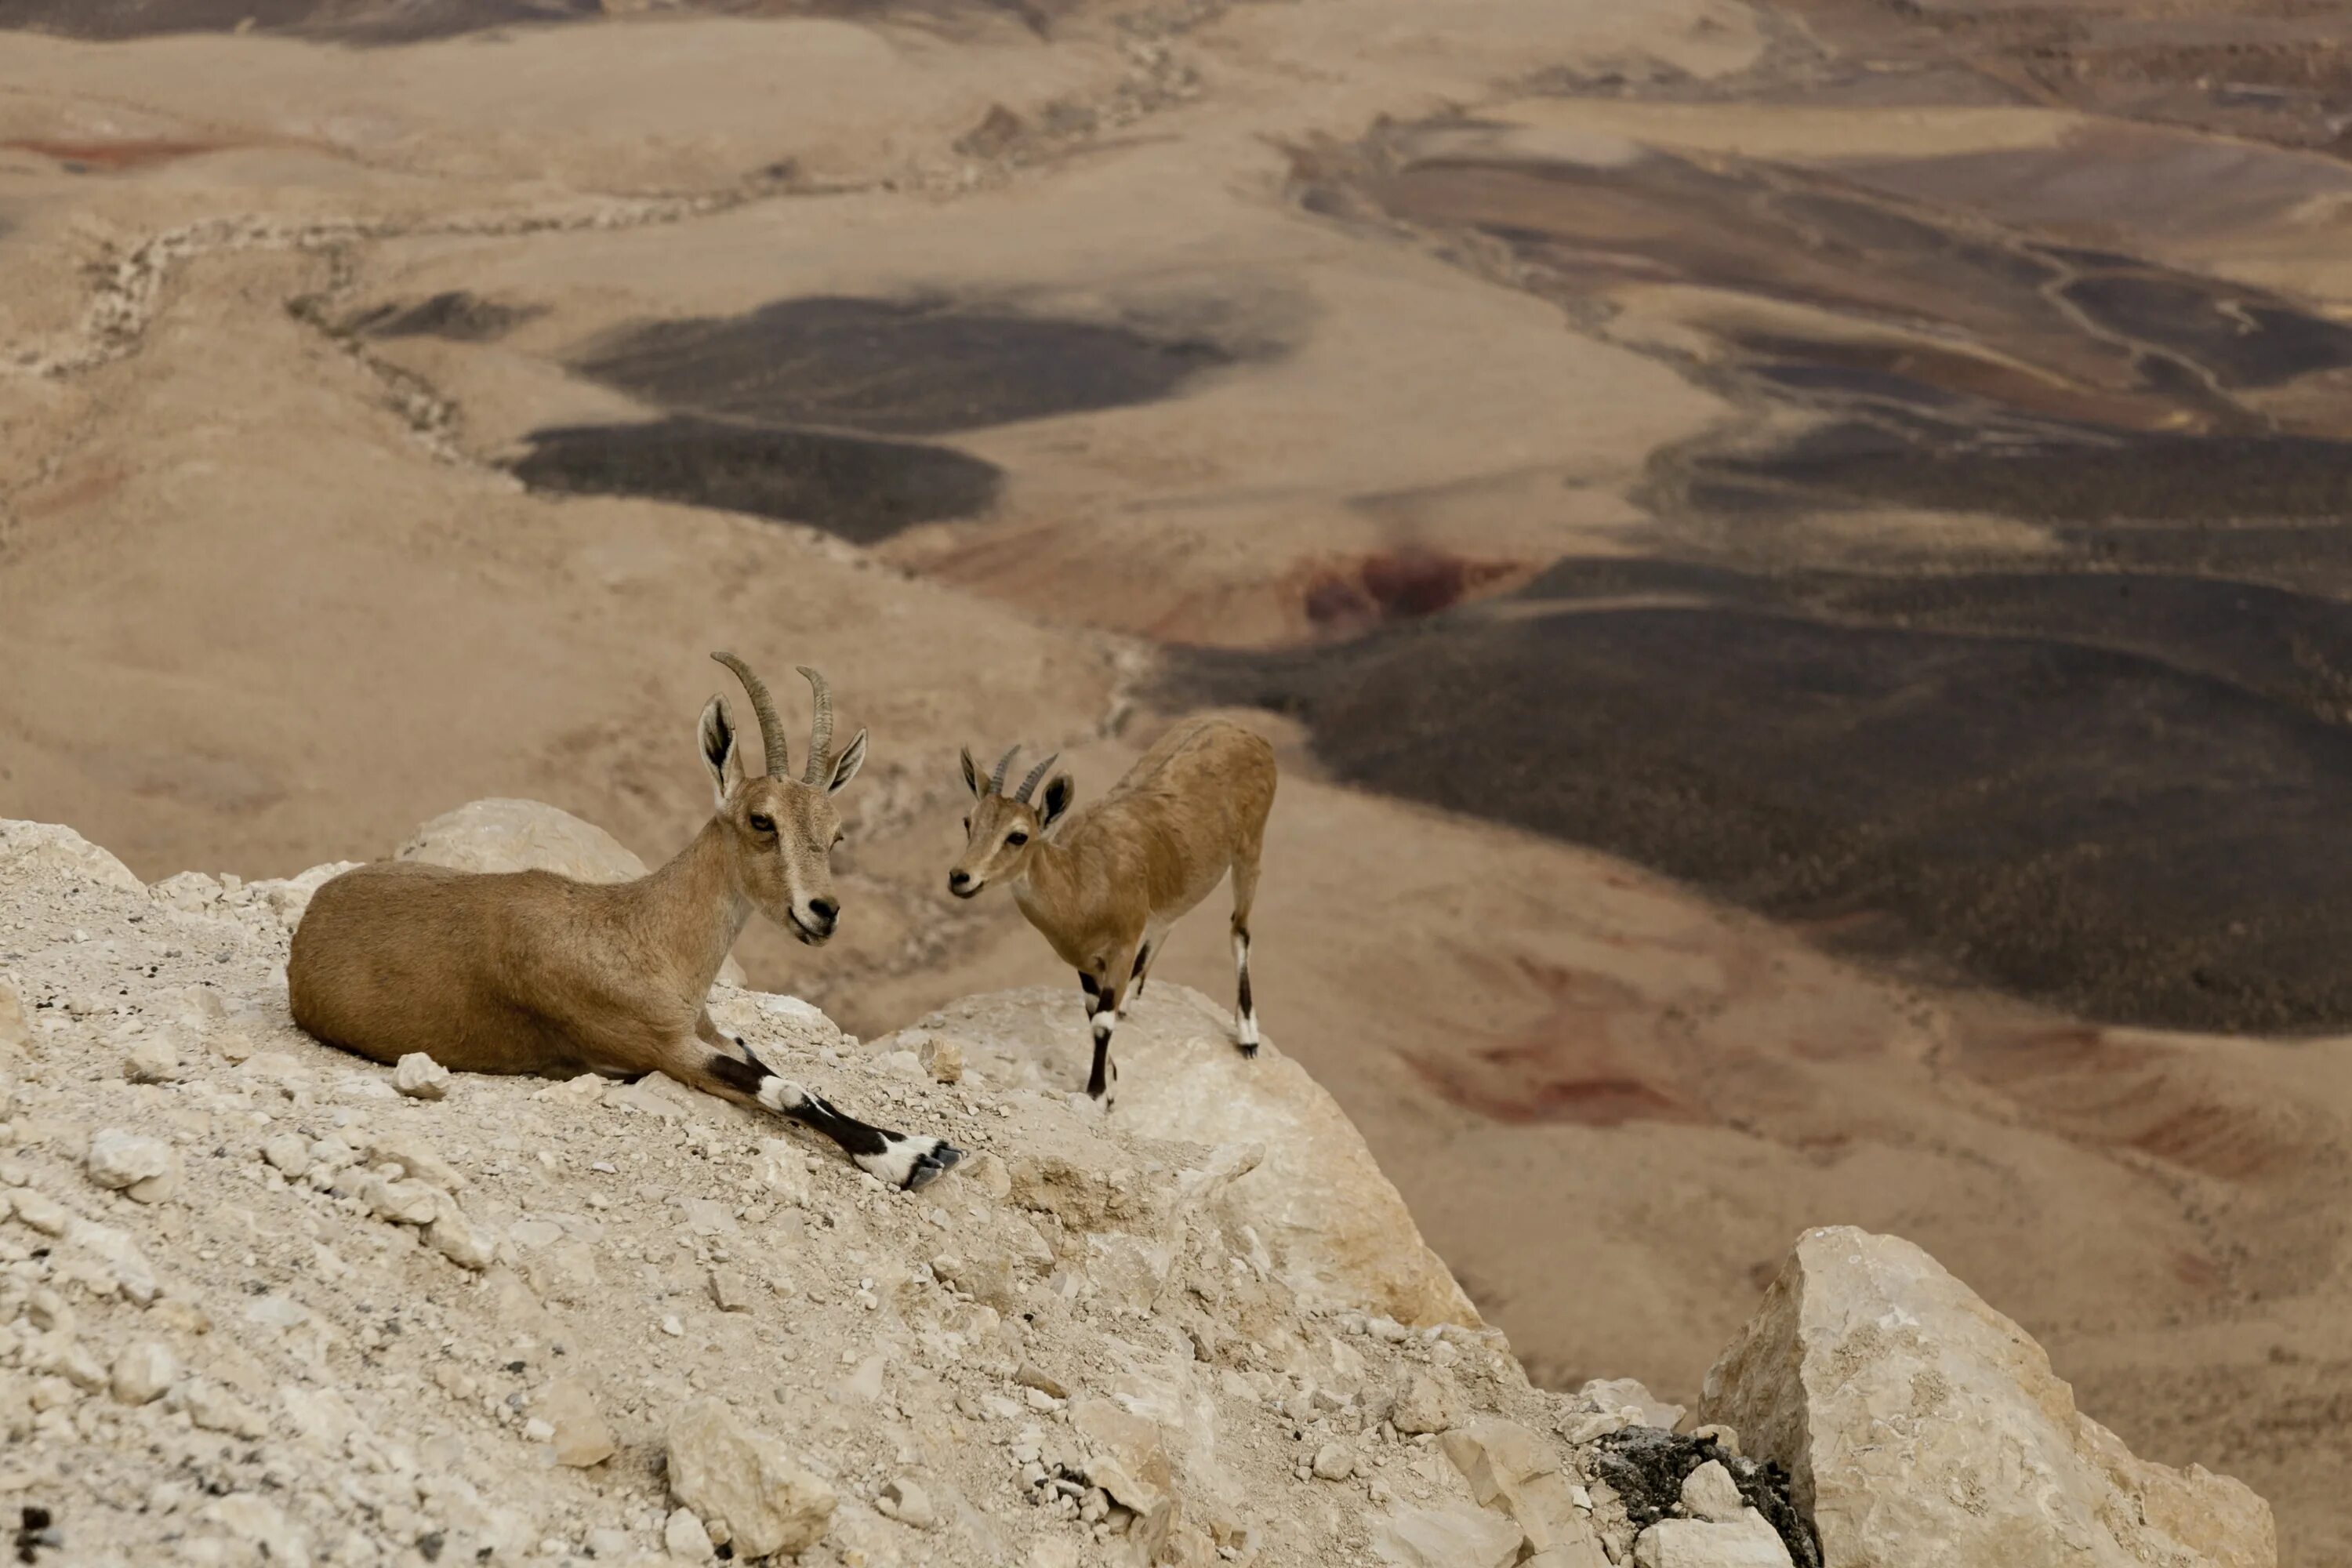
1646, 1466
456, 315
862, 489
2111, 778
2122, 796
2119, 479
895, 367
778, 411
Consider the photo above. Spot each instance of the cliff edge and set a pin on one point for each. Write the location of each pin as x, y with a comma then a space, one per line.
264, 1302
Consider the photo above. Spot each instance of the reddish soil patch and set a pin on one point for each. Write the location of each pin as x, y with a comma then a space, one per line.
1571, 1066
112, 155
1398, 584
1526, 1083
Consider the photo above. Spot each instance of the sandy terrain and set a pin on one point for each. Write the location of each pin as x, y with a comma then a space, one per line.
1881, 471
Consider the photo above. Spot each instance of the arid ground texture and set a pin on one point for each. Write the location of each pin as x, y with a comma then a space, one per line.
1795, 556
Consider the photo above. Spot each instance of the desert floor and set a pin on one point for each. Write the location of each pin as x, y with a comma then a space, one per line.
1793, 554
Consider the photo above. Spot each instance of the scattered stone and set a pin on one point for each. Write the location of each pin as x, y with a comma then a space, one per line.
727, 1471
127, 1161
1426, 1404
1626, 1396
126, 1263
216, 1409
1124, 1487
1722, 1436
943, 1059
1031, 1375
458, 1239
408, 1202
42, 1212
143, 1371
1446, 1538
1907, 1410
685, 1538
419, 1076
1508, 1466
729, 1291
580, 1436
416, 1160
1333, 1462
1710, 1493
287, 1154
989, 1174
782, 1169
153, 1060
1746, 1543
905, 1501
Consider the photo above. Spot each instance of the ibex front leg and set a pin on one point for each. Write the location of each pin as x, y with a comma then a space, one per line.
910, 1160
1105, 998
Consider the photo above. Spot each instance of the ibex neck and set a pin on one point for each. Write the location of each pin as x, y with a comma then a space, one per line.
692, 909
1049, 876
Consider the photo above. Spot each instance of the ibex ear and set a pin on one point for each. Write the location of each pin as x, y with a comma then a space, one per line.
846, 769
972, 774
1059, 792
718, 736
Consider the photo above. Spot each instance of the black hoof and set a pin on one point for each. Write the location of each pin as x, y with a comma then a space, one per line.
1249, 1053
932, 1166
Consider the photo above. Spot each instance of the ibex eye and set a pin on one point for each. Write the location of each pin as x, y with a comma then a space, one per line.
763, 823
1016, 839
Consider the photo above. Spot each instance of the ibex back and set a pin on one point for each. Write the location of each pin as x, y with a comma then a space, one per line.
528, 971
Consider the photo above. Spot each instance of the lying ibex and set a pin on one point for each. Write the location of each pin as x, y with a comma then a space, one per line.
1107, 886
528, 971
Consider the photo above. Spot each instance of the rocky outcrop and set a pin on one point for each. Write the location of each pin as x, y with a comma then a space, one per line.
501, 834
1923, 1429
258, 1306
1335, 1227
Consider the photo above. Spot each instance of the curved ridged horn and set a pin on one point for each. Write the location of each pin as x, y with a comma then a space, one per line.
1030, 783
772, 731
996, 779
820, 727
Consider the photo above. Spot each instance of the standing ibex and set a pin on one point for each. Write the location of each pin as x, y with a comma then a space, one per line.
1106, 886
529, 972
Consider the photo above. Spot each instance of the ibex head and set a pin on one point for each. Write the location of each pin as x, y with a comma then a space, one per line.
781, 829
1003, 828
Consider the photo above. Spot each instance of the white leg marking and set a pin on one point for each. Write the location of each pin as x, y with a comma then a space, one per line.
896, 1165
781, 1095
1246, 1023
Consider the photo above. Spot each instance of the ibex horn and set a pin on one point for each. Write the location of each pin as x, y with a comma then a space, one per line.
996, 779
1030, 783
820, 728
772, 731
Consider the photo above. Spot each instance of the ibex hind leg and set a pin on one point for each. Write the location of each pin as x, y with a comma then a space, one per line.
1245, 895
910, 1160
